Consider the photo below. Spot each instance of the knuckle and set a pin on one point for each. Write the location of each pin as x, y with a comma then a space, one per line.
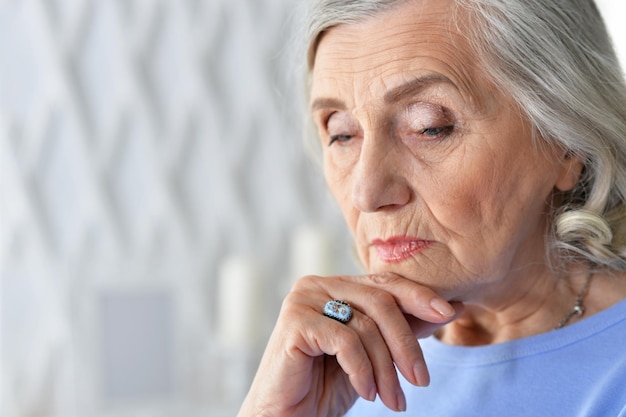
379, 299
419, 292
289, 306
367, 324
363, 368
406, 342
291, 300
383, 278
347, 340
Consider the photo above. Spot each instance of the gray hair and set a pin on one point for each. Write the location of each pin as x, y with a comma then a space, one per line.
556, 60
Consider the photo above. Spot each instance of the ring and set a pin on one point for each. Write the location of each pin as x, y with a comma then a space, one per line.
338, 310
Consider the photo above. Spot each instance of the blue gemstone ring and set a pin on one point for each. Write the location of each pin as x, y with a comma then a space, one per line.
338, 310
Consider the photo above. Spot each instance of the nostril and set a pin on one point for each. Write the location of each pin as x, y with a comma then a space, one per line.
379, 192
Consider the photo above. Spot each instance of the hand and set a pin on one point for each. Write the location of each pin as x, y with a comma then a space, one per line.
317, 366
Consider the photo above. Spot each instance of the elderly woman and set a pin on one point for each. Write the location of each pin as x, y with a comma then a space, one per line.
477, 149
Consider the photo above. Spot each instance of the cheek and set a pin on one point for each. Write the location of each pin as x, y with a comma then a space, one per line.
338, 181
491, 210
459, 204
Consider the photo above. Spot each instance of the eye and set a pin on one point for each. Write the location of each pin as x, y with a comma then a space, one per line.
339, 138
438, 132
428, 122
341, 127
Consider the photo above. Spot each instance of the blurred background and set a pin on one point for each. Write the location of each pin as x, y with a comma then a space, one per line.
157, 200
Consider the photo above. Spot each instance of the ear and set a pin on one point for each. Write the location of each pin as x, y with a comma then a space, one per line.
569, 172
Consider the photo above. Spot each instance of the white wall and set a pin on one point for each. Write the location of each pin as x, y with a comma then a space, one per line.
143, 144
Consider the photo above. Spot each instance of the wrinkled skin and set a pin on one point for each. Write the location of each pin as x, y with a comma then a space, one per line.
316, 366
446, 196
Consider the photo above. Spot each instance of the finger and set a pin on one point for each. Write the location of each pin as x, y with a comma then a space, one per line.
385, 374
385, 332
396, 332
323, 335
422, 329
412, 297
400, 341
380, 364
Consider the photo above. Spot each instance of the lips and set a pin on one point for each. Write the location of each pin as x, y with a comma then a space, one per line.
397, 249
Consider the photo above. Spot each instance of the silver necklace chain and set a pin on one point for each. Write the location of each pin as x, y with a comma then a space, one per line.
578, 309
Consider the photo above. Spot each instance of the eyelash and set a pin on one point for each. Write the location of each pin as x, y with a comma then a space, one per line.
340, 138
434, 132
439, 132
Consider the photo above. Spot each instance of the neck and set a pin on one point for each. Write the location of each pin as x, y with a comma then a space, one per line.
540, 308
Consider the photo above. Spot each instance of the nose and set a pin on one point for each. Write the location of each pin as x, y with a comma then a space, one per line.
379, 177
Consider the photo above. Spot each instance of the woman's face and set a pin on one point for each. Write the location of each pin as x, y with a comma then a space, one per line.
434, 169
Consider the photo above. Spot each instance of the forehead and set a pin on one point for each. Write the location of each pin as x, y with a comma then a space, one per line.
418, 38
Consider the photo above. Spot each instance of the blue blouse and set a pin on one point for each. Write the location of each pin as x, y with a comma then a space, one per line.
576, 371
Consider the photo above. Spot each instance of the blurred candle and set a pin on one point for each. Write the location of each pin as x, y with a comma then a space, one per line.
238, 301
310, 252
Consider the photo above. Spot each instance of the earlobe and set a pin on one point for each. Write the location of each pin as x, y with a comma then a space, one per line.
571, 168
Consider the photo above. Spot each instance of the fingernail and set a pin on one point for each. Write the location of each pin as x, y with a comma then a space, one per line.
442, 307
372, 395
421, 374
401, 400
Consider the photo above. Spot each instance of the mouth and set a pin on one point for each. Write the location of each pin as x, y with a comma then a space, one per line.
398, 249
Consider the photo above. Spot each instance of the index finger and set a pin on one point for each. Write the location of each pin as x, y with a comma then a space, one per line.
413, 298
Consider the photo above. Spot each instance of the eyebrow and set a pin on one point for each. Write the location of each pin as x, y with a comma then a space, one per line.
408, 89
326, 102
415, 86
